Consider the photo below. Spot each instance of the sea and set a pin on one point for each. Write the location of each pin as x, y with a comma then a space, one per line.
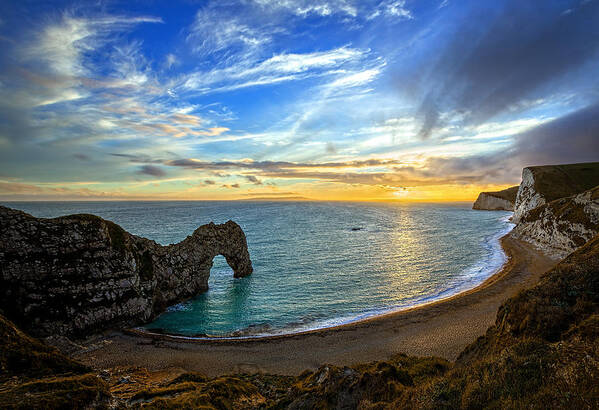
316, 264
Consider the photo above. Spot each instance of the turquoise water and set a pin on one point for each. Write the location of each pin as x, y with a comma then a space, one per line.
316, 264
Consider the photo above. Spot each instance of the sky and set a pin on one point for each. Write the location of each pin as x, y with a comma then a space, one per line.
405, 100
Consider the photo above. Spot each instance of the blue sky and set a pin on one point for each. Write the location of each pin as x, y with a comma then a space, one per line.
375, 100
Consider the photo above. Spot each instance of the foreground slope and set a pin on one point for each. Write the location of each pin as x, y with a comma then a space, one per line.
34, 375
542, 352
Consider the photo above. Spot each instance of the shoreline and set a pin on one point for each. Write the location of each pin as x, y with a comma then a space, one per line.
446, 294
458, 290
442, 328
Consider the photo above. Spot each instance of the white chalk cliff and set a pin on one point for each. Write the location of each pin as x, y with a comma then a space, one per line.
543, 184
561, 226
557, 207
496, 201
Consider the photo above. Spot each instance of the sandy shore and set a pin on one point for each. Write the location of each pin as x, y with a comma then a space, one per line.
441, 329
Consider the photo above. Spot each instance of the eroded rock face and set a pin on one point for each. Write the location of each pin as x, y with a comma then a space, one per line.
496, 201
80, 274
528, 197
543, 184
561, 226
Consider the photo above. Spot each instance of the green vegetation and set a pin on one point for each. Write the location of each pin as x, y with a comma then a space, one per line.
68, 392
559, 181
24, 356
220, 393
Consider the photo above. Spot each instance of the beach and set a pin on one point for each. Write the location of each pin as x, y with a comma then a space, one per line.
443, 328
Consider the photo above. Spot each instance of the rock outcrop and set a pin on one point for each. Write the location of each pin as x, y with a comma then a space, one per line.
547, 183
80, 274
497, 201
561, 226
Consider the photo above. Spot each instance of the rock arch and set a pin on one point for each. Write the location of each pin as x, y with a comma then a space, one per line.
80, 274
228, 240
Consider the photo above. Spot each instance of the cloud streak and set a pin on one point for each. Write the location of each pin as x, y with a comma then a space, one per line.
152, 171
282, 68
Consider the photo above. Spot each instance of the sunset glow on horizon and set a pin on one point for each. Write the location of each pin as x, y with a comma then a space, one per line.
433, 100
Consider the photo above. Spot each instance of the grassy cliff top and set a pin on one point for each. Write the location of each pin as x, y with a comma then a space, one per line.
559, 181
509, 194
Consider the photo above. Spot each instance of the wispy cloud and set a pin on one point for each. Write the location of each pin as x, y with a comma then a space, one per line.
63, 45
392, 8
355, 79
152, 170
253, 179
373, 93
306, 7
279, 68
218, 30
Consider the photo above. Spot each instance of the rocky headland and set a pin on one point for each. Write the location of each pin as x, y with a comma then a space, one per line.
79, 275
497, 201
556, 207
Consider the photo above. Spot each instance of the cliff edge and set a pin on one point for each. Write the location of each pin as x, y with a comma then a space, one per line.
497, 201
543, 184
559, 227
80, 274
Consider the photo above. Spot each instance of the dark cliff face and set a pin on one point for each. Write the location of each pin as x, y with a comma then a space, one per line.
80, 274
